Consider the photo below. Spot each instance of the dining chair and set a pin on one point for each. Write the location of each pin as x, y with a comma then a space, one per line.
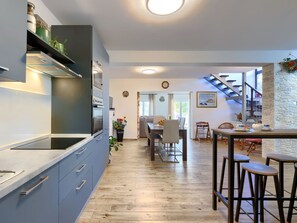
148, 135
225, 125
182, 121
170, 138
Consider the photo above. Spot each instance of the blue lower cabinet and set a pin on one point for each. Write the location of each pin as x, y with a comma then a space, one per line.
71, 206
34, 202
100, 158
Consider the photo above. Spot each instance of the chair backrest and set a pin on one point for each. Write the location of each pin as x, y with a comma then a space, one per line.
202, 124
146, 128
158, 118
171, 131
226, 125
182, 122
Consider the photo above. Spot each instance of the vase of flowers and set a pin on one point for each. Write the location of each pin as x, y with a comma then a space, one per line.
119, 126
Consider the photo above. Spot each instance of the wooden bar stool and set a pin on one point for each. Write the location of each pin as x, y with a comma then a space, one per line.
260, 171
238, 158
293, 195
202, 128
281, 159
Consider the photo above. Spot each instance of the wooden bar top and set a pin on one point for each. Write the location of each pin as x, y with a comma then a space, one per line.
274, 133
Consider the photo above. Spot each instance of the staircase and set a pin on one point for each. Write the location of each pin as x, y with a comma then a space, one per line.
253, 98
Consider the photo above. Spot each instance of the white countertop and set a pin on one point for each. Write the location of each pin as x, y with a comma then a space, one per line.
32, 162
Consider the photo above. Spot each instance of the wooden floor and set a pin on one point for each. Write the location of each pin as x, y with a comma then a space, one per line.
137, 190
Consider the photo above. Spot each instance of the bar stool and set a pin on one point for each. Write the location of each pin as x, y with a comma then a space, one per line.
281, 159
238, 158
201, 127
293, 194
259, 171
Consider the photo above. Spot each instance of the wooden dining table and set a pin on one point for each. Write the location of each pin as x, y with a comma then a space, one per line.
231, 135
156, 129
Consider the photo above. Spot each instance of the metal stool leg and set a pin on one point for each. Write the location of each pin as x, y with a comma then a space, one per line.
293, 194
256, 188
279, 200
240, 195
281, 178
261, 199
222, 175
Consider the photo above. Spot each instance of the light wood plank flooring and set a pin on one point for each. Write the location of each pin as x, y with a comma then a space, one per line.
137, 190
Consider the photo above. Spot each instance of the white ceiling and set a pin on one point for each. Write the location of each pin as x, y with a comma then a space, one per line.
201, 25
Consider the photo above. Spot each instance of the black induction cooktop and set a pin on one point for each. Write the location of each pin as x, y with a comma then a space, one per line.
50, 143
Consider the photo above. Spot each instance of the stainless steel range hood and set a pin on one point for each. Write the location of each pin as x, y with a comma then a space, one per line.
37, 60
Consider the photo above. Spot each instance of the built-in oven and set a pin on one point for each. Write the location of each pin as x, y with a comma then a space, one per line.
97, 119
97, 80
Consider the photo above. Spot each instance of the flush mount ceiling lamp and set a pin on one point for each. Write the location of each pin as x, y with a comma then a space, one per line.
148, 71
164, 7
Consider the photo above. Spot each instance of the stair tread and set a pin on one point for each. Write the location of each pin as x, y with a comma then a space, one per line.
231, 80
224, 75
237, 85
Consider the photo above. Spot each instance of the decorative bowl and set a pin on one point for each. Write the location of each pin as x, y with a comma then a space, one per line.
257, 127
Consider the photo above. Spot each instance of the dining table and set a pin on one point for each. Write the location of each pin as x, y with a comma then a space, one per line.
157, 129
231, 135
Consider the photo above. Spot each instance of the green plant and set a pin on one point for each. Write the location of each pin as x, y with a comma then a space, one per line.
58, 46
120, 123
289, 65
114, 144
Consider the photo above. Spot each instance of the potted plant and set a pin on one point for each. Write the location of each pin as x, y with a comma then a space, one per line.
113, 144
119, 126
289, 65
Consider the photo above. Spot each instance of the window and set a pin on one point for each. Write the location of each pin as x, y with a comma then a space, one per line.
258, 73
181, 107
144, 106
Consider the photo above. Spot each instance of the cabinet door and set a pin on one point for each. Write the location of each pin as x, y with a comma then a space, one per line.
34, 202
100, 157
13, 28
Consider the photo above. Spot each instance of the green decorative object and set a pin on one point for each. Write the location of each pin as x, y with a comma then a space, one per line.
58, 46
43, 33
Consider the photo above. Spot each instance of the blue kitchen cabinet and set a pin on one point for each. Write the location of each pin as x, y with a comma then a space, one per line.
34, 202
100, 157
13, 26
74, 190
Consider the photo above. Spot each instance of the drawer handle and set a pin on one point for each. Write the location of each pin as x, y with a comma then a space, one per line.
4, 68
41, 181
81, 168
81, 152
81, 185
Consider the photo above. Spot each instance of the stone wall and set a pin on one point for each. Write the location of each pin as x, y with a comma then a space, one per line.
279, 107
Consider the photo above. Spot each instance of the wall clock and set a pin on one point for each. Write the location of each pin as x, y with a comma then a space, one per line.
125, 94
165, 84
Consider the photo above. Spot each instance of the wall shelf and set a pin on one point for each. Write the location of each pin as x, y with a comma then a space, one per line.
34, 43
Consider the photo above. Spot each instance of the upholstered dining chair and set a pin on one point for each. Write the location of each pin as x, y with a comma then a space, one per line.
170, 137
148, 136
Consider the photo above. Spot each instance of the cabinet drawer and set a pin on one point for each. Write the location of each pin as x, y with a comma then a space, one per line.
70, 162
74, 178
36, 201
75, 200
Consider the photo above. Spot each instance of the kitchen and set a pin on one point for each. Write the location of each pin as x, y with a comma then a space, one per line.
54, 148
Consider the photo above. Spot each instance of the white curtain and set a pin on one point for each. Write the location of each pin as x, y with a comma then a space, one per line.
152, 104
170, 106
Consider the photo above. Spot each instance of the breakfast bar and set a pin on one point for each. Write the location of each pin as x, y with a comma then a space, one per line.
231, 135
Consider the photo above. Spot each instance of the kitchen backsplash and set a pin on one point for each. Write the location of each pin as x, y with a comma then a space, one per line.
25, 109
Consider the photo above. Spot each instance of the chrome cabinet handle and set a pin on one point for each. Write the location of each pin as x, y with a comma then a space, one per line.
81, 168
4, 68
41, 181
81, 185
81, 152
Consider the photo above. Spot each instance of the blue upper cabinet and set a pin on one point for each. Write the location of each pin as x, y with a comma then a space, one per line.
13, 40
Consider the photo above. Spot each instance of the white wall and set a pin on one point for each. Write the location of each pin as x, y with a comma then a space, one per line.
128, 106
161, 107
25, 109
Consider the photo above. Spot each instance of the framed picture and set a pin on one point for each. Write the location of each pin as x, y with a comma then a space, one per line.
206, 99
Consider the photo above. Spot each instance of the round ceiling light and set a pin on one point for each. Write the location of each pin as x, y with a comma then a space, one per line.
149, 71
164, 7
